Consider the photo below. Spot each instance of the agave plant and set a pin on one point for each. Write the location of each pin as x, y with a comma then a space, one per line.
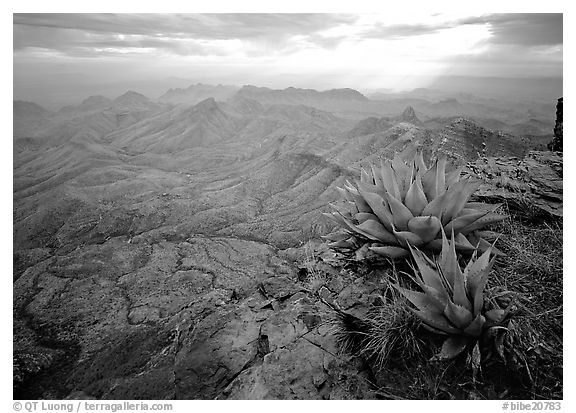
452, 301
404, 204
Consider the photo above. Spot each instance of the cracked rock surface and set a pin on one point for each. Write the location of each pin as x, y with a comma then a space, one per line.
200, 318
536, 181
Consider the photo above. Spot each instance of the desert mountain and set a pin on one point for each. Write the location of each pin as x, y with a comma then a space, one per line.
156, 244
369, 126
28, 118
334, 100
95, 117
92, 103
179, 129
197, 93
409, 115
133, 102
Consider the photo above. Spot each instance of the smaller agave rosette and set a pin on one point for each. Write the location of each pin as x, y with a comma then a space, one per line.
452, 301
404, 204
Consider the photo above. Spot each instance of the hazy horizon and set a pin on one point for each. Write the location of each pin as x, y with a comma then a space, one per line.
60, 58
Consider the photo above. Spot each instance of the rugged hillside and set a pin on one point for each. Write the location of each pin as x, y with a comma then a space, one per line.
92, 103
155, 247
369, 126
29, 118
464, 140
95, 117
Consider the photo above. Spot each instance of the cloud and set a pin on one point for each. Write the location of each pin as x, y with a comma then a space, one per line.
532, 29
176, 33
523, 29
401, 31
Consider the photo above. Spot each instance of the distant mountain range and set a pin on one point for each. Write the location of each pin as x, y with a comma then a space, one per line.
196, 93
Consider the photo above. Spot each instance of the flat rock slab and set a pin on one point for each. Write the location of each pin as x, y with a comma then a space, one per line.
534, 181
202, 318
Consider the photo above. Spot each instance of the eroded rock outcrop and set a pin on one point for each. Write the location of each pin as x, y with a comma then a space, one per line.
557, 142
533, 183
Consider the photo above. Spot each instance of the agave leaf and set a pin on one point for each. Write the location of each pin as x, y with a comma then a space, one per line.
360, 203
462, 221
348, 224
475, 269
429, 182
476, 361
453, 177
440, 295
436, 321
495, 315
415, 198
458, 315
361, 232
437, 206
487, 235
441, 176
365, 177
476, 274
376, 173
428, 273
366, 186
459, 291
462, 243
421, 301
461, 192
377, 230
467, 211
482, 245
403, 174
488, 219
346, 209
434, 330
378, 206
389, 180
336, 217
345, 194
435, 245
350, 188
419, 163
400, 213
408, 238
458, 280
448, 260
426, 227
451, 348
390, 252
363, 216
474, 329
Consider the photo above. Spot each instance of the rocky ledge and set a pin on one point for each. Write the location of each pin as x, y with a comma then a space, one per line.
533, 183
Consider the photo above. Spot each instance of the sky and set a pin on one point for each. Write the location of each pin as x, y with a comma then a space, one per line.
63, 54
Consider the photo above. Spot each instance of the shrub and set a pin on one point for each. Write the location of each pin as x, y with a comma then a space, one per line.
405, 203
452, 301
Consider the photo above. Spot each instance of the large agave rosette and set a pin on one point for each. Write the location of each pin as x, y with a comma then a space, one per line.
452, 301
405, 203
